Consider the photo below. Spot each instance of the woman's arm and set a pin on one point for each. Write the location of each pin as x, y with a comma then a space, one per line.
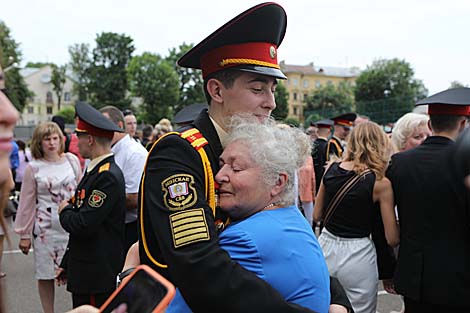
319, 202
383, 193
26, 214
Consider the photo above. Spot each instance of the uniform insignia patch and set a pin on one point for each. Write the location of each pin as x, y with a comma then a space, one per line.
103, 168
96, 198
179, 192
188, 227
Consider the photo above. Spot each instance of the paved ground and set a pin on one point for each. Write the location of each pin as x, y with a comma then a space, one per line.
22, 296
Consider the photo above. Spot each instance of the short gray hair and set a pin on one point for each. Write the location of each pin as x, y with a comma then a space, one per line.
405, 127
274, 149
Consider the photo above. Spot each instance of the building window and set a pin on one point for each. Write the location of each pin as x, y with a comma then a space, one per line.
49, 97
295, 110
318, 83
30, 109
295, 96
305, 97
49, 110
67, 97
330, 83
305, 83
295, 82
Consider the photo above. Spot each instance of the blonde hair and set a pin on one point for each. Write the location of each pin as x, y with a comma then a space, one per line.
369, 147
42, 131
405, 127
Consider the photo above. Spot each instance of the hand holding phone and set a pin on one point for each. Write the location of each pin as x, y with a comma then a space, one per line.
143, 291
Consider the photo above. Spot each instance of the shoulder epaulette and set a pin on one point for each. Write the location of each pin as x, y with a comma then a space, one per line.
194, 137
104, 168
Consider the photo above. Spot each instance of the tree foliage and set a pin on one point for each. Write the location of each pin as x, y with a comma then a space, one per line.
80, 62
58, 81
282, 106
38, 64
457, 84
190, 80
107, 75
387, 89
330, 100
10, 57
68, 113
154, 80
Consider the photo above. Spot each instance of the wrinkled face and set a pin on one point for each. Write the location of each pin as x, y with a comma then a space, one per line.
417, 137
250, 93
131, 124
50, 145
242, 190
8, 118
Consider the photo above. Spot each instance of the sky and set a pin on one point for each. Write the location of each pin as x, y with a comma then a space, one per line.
431, 35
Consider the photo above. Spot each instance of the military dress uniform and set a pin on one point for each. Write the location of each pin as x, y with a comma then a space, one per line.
94, 218
319, 152
433, 267
336, 145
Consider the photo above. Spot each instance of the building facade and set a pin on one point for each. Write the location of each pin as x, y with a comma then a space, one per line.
43, 104
303, 79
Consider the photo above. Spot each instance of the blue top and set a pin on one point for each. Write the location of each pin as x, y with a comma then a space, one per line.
280, 247
14, 158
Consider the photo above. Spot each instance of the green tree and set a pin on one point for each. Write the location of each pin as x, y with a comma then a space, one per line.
457, 84
80, 62
292, 121
282, 106
68, 113
387, 89
107, 74
10, 57
154, 80
191, 86
58, 81
37, 64
330, 100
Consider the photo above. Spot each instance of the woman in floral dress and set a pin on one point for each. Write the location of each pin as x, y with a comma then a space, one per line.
48, 180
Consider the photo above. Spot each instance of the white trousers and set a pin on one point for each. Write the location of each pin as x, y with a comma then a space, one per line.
354, 262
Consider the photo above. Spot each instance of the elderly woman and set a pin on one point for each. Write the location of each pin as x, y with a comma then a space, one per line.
268, 234
410, 131
48, 180
346, 202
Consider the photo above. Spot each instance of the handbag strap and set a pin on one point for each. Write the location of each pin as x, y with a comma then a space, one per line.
341, 193
74, 167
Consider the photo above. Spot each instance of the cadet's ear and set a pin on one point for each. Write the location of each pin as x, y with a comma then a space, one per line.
214, 89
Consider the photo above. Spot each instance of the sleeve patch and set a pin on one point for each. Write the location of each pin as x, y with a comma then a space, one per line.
179, 192
189, 227
96, 199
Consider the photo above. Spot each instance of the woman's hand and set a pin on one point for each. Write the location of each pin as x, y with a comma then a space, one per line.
25, 245
60, 276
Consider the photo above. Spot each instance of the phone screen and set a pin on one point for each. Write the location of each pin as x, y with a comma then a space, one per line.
142, 294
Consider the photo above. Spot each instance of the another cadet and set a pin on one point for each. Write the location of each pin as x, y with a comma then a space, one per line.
342, 127
433, 269
319, 149
179, 222
94, 217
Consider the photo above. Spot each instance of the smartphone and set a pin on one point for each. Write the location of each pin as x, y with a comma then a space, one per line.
144, 291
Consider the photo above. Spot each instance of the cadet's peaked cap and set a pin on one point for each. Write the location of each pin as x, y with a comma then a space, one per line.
93, 122
247, 43
189, 113
455, 101
346, 119
323, 124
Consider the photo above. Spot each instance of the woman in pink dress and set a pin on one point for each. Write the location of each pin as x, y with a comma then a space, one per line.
51, 177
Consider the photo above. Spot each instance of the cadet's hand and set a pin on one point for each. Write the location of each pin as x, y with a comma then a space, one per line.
389, 286
132, 258
62, 205
336, 308
60, 277
24, 245
122, 308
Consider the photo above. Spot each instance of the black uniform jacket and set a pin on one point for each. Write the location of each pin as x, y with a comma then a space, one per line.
178, 237
319, 159
95, 222
434, 255
334, 147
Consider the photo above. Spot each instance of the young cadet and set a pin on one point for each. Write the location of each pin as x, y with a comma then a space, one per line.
179, 222
342, 127
319, 149
94, 217
433, 268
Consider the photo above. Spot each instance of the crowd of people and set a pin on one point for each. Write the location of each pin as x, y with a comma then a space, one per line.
228, 207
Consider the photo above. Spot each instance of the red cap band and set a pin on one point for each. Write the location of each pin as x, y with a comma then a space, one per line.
84, 127
322, 126
251, 53
448, 109
344, 122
